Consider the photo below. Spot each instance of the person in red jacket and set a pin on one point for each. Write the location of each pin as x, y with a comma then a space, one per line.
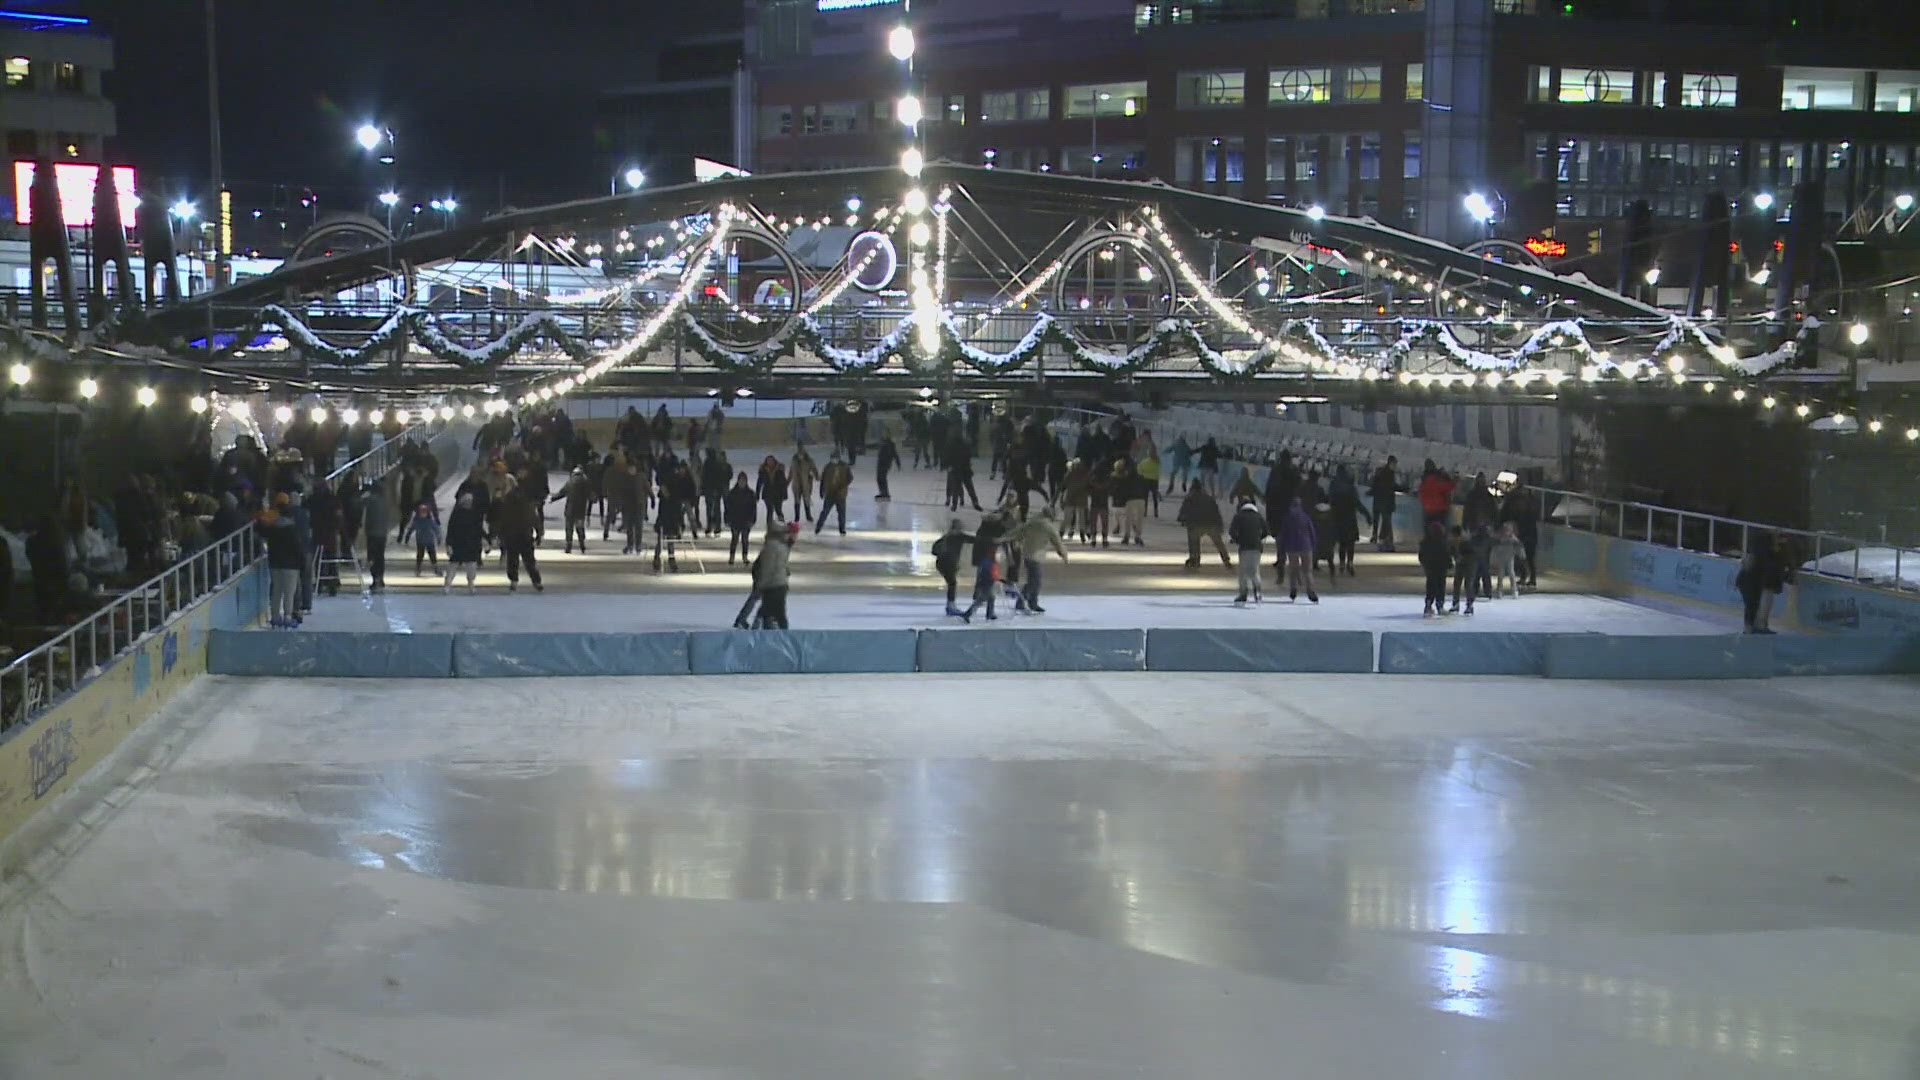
1436, 493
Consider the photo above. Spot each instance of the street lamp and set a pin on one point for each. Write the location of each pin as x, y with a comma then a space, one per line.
389, 199
1903, 202
900, 43
1858, 334
368, 137
632, 174
446, 207
1763, 201
1478, 208
1095, 156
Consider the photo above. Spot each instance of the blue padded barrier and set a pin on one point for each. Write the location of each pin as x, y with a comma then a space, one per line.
1462, 653
1846, 654
857, 651
743, 652
302, 654
1032, 650
494, 656
1260, 650
1659, 656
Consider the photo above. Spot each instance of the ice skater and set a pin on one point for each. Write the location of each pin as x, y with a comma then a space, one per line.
424, 526
1297, 539
1504, 557
1436, 558
947, 553
772, 573
1469, 564
742, 513
1248, 531
986, 556
1034, 535
466, 533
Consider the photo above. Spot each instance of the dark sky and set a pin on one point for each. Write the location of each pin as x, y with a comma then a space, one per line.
479, 93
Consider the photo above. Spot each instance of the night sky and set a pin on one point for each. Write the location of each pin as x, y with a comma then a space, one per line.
481, 94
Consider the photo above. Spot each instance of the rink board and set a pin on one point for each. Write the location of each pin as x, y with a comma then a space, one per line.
1659, 656
330, 655
1445, 653
802, 652
1846, 654
1032, 650
495, 656
1335, 651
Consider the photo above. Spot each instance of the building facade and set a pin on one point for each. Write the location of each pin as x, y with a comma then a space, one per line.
52, 102
1561, 115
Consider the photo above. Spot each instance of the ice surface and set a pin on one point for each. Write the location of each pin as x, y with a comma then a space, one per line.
1142, 875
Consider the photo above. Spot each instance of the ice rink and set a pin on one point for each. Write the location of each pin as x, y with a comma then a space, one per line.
1129, 875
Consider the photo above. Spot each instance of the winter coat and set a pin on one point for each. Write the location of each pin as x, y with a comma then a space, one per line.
742, 507
949, 549
1383, 487
835, 481
464, 534
1073, 489
1480, 508
1436, 492
1035, 535
671, 518
1198, 510
772, 568
1248, 530
986, 540
282, 539
773, 487
1283, 483
579, 495
889, 456
423, 531
378, 515
803, 473
715, 474
1296, 532
1209, 456
1347, 510
517, 518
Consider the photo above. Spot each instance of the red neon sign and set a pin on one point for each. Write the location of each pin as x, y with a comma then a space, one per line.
1546, 247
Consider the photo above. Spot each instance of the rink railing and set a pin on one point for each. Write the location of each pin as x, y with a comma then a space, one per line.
35, 681
1708, 534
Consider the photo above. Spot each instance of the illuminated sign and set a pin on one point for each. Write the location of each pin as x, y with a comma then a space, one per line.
705, 169
842, 5
1546, 247
75, 181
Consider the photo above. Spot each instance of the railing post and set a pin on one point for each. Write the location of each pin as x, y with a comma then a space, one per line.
1712, 549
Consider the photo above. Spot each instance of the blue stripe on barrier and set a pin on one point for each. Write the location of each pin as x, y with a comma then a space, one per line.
1665, 656
1846, 654
1032, 650
1462, 653
300, 654
492, 656
1345, 651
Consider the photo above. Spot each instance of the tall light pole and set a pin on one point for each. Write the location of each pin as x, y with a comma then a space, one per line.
1094, 157
223, 204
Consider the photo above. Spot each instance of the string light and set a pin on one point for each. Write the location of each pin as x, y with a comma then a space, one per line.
284, 414
146, 396
197, 404
88, 388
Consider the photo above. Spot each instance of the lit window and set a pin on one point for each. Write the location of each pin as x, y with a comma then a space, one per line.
19, 72
1212, 89
1142, 15
839, 117
1298, 86
1595, 86
1822, 88
1006, 106
1897, 91
776, 120
1416, 82
66, 77
1359, 83
809, 119
1708, 91
1107, 99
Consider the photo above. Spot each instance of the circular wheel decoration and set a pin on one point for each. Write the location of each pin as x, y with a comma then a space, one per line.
343, 321
872, 260
1112, 288
751, 293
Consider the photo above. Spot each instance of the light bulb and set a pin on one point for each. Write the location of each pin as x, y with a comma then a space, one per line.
146, 396
912, 161
446, 412
284, 414
915, 201
349, 416
920, 234
401, 416
1858, 333
89, 388
239, 410
909, 110
197, 403
21, 374
900, 43
376, 416
318, 415
466, 411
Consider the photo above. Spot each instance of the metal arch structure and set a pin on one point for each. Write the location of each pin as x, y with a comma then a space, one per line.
1265, 300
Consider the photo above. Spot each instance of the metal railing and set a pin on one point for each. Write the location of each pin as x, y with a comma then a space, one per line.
33, 682
1709, 534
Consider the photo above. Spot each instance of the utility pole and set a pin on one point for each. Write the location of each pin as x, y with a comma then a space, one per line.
223, 208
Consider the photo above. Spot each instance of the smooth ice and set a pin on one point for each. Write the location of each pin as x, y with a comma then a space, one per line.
1126, 875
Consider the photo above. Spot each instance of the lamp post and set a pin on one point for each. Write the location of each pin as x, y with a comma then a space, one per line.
446, 207
1094, 158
